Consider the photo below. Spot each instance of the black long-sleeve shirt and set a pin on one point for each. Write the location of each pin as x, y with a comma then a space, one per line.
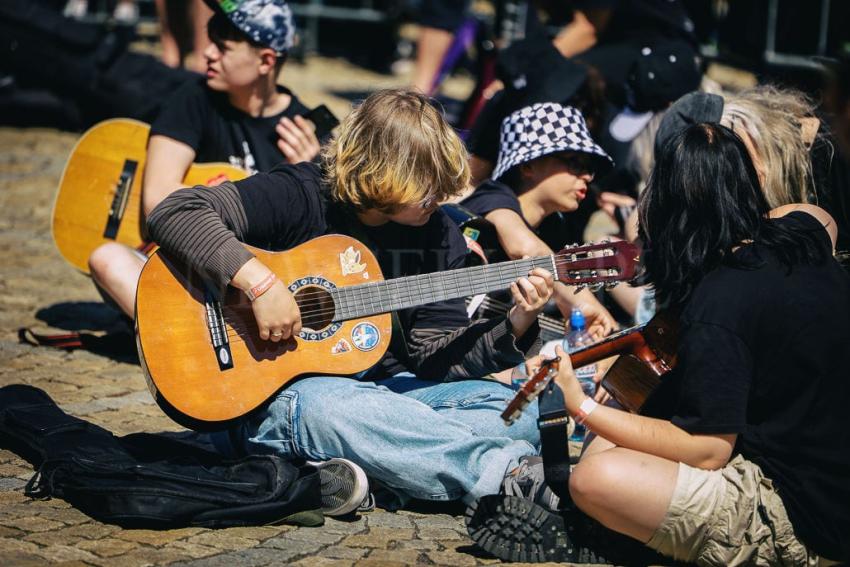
287, 206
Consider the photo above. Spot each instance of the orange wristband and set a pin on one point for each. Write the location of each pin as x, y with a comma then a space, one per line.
265, 284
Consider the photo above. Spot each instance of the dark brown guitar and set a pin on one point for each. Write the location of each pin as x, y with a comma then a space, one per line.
647, 352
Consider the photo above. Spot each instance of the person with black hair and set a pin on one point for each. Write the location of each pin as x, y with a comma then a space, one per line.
741, 455
237, 114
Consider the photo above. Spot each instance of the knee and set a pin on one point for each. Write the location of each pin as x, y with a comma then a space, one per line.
592, 480
106, 260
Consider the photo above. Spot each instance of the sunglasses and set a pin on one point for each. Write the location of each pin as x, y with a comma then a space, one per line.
577, 164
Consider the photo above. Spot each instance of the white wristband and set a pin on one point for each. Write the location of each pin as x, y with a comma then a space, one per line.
585, 409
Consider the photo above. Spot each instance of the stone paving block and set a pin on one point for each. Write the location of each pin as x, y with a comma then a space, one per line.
379, 537
10, 484
157, 538
66, 515
323, 562
10, 544
440, 534
439, 521
290, 548
222, 540
451, 558
387, 557
317, 535
20, 559
54, 537
91, 530
340, 552
193, 550
109, 547
65, 553
259, 533
11, 532
31, 523
388, 520
340, 527
141, 557
420, 544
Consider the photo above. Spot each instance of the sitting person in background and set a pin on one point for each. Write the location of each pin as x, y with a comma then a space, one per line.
733, 458
420, 421
238, 114
546, 160
791, 147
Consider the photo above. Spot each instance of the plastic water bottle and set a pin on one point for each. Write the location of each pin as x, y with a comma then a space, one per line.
519, 376
577, 339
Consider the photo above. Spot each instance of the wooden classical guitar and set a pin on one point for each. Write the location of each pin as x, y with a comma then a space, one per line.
202, 354
100, 194
647, 352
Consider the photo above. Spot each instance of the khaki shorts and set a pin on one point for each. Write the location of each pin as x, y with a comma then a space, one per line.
732, 516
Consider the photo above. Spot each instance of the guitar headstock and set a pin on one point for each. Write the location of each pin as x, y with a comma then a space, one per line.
597, 264
530, 390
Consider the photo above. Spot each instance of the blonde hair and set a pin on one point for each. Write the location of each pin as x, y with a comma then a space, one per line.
772, 119
395, 149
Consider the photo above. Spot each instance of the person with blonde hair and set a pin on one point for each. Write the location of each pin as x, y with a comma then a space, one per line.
420, 421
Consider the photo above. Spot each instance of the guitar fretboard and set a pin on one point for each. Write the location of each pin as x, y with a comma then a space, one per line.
353, 302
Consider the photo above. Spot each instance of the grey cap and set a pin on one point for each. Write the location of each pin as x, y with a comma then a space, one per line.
692, 108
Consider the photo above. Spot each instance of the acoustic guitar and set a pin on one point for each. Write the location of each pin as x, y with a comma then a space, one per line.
100, 194
206, 364
647, 352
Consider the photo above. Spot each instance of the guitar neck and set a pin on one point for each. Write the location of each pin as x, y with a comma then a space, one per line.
625, 340
363, 300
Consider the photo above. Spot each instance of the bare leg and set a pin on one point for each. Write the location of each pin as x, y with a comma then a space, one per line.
627, 491
170, 49
431, 48
116, 269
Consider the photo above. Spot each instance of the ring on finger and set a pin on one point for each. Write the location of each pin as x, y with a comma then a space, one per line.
277, 334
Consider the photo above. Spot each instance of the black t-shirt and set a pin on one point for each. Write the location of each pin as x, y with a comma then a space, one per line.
297, 209
765, 353
555, 229
206, 121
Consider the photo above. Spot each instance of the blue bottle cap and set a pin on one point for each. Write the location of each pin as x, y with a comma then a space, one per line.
577, 321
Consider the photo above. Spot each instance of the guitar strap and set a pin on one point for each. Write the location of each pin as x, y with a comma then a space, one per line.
555, 448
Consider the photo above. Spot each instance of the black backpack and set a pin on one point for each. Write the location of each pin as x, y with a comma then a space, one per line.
148, 480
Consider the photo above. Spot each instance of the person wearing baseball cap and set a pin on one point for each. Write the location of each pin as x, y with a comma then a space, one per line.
236, 113
546, 160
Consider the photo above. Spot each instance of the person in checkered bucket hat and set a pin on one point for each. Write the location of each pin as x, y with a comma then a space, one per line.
546, 128
546, 160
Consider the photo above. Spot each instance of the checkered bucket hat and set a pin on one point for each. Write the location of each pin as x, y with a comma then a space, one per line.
542, 129
268, 22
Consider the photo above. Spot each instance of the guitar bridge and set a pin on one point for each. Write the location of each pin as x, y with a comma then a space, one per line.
119, 201
218, 331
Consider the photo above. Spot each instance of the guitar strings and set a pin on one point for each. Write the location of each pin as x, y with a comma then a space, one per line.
310, 317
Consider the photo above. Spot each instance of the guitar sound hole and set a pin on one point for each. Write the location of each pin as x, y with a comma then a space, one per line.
317, 307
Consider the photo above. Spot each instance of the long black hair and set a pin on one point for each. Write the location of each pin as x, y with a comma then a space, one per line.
703, 199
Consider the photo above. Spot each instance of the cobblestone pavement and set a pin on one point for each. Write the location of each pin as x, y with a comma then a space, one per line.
37, 288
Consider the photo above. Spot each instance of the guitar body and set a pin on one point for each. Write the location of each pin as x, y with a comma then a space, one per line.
200, 387
100, 194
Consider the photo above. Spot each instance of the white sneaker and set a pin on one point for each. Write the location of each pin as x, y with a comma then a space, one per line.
345, 487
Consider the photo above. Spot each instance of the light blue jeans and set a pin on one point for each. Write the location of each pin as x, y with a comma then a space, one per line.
421, 439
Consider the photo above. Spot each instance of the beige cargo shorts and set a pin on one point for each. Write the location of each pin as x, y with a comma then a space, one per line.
732, 516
